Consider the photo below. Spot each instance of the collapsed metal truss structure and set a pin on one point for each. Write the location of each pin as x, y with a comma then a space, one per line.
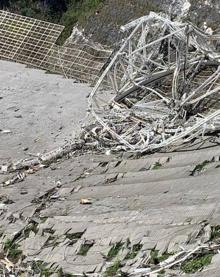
32, 42
160, 90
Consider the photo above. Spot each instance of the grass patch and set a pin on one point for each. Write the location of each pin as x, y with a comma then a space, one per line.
12, 249
215, 232
65, 12
155, 259
157, 165
46, 272
84, 249
196, 264
112, 270
40, 268
199, 167
133, 251
113, 252
78, 11
161, 273
164, 257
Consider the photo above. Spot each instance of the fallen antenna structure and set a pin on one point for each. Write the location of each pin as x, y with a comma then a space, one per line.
33, 42
160, 90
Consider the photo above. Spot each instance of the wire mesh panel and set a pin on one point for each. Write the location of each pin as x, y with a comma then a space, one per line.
26, 40
81, 62
32, 42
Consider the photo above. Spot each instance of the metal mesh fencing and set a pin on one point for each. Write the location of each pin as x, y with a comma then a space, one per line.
32, 42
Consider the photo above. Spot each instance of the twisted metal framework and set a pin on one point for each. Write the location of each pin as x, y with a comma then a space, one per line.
32, 42
161, 88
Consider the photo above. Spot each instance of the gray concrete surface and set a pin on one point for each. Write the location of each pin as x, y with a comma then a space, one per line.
41, 110
165, 213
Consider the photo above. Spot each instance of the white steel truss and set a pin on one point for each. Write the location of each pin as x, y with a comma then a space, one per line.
160, 90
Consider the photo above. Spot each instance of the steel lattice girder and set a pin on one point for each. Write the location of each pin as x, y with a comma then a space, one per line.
165, 79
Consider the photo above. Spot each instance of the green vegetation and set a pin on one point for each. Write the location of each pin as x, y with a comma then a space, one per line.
40, 267
113, 252
161, 273
12, 250
65, 12
78, 11
133, 251
199, 167
112, 270
157, 165
46, 272
197, 263
215, 232
155, 259
84, 249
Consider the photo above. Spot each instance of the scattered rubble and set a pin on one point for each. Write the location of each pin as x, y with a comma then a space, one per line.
85, 201
5, 131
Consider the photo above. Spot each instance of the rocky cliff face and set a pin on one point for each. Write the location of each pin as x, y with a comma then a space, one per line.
105, 24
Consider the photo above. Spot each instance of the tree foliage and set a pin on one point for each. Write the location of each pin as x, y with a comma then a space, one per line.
66, 12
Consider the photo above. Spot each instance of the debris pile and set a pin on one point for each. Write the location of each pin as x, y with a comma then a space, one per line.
160, 90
